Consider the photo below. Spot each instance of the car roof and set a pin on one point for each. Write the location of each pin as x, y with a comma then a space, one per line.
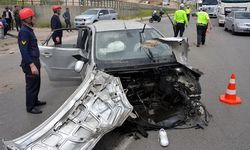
111, 25
100, 9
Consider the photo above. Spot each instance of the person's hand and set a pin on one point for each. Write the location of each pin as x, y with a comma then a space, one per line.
57, 39
34, 69
186, 25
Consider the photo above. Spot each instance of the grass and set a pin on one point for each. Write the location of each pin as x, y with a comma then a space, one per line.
140, 14
143, 13
42, 24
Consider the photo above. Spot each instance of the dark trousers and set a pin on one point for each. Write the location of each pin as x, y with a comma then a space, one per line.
201, 34
33, 83
8, 20
179, 27
188, 17
5, 30
68, 24
18, 24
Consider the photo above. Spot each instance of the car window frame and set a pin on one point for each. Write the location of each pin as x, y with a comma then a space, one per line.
103, 13
110, 11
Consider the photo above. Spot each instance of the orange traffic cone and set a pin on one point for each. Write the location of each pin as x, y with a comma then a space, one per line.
230, 97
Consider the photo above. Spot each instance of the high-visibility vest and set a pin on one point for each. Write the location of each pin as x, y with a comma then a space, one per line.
202, 17
188, 10
180, 16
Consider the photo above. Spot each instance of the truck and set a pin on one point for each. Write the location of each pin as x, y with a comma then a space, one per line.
227, 6
211, 7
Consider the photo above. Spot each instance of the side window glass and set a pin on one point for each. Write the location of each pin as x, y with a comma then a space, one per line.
69, 39
112, 11
105, 12
101, 13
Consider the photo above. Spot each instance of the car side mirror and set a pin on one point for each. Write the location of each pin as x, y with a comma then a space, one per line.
78, 66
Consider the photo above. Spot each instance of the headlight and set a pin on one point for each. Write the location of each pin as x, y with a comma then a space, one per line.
79, 19
88, 18
240, 24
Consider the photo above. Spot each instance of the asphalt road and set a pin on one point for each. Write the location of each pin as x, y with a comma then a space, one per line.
222, 55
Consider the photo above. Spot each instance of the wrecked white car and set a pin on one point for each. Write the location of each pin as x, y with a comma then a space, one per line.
130, 73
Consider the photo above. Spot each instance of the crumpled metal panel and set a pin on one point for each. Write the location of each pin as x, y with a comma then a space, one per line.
97, 106
180, 48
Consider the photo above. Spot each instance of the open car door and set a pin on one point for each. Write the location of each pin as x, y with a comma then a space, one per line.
97, 106
58, 60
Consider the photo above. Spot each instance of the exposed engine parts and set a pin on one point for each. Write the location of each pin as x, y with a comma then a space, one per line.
165, 97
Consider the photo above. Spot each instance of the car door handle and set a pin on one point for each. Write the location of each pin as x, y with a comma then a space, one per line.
46, 54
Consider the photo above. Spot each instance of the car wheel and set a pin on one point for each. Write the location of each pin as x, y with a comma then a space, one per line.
225, 28
159, 20
113, 19
95, 21
233, 31
221, 24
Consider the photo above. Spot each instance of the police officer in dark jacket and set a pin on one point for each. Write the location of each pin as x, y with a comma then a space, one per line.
55, 23
30, 64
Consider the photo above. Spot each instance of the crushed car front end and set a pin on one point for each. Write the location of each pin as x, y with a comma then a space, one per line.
135, 78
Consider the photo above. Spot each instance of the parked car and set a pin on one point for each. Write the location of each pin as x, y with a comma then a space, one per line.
93, 15
238, 21
130, 72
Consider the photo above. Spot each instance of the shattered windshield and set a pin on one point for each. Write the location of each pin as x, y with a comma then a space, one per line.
128, 44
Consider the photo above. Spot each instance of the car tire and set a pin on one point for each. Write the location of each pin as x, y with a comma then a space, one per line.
232, 30
225, 28
221, 25
94, 21
113, 19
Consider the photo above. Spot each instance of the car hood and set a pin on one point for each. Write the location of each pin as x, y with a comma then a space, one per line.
97, 106
84, 16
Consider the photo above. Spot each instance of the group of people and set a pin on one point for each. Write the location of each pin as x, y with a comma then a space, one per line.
9, 18
28, 46
181, 20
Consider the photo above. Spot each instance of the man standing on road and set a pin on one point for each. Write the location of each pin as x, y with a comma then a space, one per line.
203, 21
66, 16
17, 18
180, 20
188, 11
55, 23
8, 17
30, 63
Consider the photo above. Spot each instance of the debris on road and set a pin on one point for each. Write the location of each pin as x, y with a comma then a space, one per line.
163, 138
